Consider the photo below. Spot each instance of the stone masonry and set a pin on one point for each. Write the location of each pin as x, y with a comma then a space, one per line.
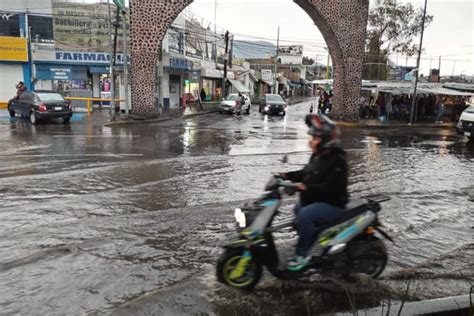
342, 23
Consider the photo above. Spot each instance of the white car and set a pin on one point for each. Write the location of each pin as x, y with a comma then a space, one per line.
466, 122
232, 104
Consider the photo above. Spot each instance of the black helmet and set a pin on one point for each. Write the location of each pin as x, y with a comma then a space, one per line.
321, 126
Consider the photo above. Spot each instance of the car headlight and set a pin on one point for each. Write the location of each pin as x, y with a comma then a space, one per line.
459, 124
240, 218
266, 108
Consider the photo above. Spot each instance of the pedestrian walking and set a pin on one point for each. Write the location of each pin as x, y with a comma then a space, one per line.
203, 95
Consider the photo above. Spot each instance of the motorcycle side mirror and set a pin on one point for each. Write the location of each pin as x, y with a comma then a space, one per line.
284, 159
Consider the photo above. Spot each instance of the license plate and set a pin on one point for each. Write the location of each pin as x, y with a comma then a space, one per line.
468, 134
58, 108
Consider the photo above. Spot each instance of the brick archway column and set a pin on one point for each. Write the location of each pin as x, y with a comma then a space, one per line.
342, 23
150, 19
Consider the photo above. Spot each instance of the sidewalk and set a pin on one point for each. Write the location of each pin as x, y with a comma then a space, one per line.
377, 124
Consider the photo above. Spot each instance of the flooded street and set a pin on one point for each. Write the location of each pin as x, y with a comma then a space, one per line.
94, 217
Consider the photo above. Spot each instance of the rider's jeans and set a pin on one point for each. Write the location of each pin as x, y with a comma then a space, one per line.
308, 219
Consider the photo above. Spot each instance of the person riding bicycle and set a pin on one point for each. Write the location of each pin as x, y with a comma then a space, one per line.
322, 184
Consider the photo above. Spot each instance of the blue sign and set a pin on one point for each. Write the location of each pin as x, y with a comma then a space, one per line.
86, 57
53, 72
181, 64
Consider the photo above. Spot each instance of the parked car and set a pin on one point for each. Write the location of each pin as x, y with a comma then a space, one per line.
232, 104
272, 104
466, 122
40, 105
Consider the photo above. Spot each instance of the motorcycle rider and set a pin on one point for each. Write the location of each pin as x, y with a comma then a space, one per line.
322, 184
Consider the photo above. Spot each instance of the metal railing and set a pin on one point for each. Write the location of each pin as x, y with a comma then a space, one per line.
90, 100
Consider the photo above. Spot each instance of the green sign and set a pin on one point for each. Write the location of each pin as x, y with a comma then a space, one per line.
120, 4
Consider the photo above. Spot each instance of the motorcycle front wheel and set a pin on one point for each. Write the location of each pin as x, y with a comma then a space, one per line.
246, 279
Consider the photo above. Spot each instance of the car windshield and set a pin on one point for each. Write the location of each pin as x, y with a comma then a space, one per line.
274, 98
45, 97
232, 97
470, 109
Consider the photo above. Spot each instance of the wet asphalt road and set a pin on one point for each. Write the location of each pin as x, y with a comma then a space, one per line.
97, 219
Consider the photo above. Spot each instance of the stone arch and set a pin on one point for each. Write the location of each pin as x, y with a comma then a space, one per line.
342, 23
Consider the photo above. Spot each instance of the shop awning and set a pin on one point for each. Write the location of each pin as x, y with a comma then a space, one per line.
267, 82
239, 86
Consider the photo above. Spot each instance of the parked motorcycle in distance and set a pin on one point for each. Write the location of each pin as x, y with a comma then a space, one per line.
347, 246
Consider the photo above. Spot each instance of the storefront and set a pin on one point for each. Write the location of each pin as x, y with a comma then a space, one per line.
211, 81
180, 82
83, 74
14, 66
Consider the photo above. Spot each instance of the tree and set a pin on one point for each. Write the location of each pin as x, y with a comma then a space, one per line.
308, 61
392, 28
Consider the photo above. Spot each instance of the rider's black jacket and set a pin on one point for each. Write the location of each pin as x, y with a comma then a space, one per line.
325, 177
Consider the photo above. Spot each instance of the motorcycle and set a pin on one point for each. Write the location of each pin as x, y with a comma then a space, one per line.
346, 246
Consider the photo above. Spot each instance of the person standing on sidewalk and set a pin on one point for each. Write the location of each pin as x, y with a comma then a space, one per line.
440, 109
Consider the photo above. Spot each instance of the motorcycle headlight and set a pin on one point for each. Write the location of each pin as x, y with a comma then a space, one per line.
240, 218
267, 108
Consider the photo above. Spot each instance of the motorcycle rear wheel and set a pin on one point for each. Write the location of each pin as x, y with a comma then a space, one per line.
228, 261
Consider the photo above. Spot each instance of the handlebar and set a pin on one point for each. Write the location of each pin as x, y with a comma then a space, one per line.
276, 182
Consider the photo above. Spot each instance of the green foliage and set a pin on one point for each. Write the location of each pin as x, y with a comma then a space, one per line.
308, 61
393, 27
396, 25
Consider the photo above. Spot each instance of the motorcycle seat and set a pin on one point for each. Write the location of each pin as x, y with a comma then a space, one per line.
355, 204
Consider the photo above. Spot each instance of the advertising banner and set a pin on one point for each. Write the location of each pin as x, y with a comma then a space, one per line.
10, 24
296, 50
83, 26
13, 49
267, 75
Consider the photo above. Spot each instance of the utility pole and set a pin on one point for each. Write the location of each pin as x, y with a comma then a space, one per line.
224, 80
275, 88
125, 64
231, 50
214, 46
111, 66
413, 101
439, 69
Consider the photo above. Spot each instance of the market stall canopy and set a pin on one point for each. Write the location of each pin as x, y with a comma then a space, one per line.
397, 88
267, 82
239, 86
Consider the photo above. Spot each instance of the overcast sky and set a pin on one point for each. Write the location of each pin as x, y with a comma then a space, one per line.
449, 35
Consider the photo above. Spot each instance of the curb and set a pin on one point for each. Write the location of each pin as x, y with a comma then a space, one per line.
388, 126
157, 120
454, 305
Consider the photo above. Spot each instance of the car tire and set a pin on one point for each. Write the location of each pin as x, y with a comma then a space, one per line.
33, 119
66, 120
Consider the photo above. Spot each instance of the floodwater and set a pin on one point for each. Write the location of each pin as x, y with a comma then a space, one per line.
96, 219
